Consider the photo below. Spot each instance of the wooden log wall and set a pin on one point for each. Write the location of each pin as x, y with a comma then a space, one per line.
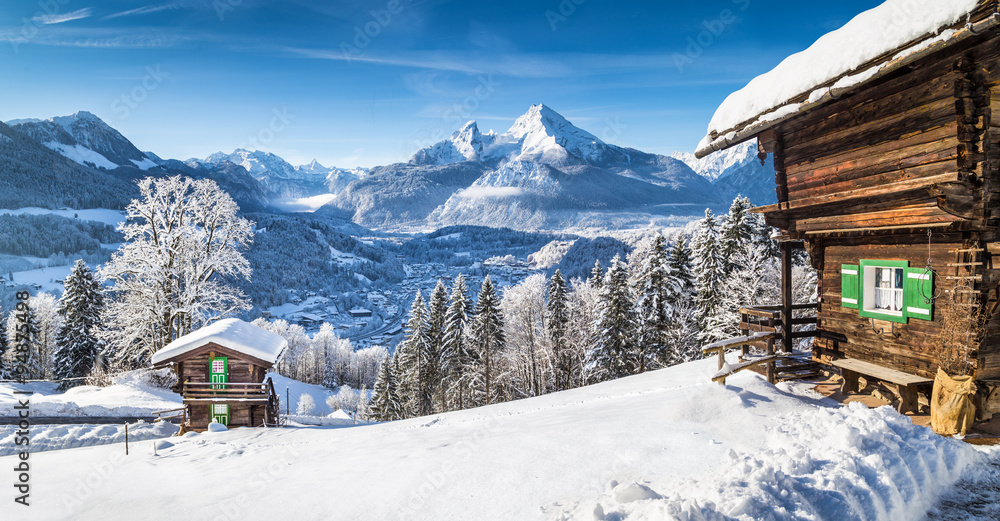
240, 414
911, 150
196, 369
918, 348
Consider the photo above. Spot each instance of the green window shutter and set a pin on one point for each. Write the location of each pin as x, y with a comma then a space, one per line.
917, 290
849, 294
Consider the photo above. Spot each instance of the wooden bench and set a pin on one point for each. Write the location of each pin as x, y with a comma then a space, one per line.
906, 383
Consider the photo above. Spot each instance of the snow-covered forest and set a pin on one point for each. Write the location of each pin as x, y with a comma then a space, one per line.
651, 310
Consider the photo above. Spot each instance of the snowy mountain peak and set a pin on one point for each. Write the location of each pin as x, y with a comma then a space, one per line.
540, 134
86, 139
720, 164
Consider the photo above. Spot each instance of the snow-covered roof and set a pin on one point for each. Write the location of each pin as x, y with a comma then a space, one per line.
856, 53
231, 333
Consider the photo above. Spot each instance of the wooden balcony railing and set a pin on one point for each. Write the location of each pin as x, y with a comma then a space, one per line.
229, 391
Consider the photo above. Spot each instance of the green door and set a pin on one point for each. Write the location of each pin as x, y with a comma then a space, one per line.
220, 413
218, 372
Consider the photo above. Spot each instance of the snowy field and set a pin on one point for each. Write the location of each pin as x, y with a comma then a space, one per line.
129, 396
102, 215
661, 445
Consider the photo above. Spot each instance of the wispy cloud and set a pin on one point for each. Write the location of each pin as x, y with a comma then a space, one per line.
169, 6
59, 18
143, 37
520, 65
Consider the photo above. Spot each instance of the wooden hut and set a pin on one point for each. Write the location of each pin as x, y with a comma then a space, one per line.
885, 136
222, 374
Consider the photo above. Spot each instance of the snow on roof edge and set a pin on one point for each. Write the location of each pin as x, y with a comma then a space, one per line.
824, 94
872, 35
232, 333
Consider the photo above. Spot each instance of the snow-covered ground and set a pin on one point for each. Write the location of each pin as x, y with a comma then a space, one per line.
58, 437
103, 215
663, 445
130, 395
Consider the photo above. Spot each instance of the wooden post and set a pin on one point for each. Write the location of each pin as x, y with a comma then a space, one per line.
126, 438
786, 296
770, 352
722, 362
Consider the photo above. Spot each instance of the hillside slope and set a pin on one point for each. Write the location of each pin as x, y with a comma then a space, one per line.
662, 445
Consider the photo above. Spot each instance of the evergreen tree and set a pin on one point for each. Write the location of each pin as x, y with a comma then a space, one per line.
80, 307
736, 232
455, 355
414, 359
596, 275
556, 323
615, 356
436, 316
747, 285
487, 341
386, 404
681, 271
653, 290
707, 268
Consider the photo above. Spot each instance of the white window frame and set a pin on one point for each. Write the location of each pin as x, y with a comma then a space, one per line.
869, 291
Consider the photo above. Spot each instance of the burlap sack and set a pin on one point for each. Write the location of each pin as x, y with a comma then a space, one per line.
952, 411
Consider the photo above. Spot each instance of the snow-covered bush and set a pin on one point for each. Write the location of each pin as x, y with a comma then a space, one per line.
306, 405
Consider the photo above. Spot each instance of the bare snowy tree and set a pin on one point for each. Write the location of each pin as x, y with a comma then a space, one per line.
183, 240
529, 365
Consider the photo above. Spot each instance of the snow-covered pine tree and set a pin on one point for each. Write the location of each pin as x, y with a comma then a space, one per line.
487, 342
556, 323
653, 291
736, 232
752, 282
681, 270
596, 274
174, 273
437, 311
80, 307
614, 355
455, 355
707, 268
414, 359
385, 404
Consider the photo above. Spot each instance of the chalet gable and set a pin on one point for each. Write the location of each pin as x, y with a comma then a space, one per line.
232, 336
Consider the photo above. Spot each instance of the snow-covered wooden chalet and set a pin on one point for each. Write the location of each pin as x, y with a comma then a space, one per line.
885, 136
222, 373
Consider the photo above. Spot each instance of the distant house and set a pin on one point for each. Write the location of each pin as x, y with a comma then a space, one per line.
887, 171
221, 373
360, 313
309, 320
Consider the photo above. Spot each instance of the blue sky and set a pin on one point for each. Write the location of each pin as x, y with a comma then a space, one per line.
368, 82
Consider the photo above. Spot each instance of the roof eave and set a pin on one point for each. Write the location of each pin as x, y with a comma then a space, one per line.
741, 134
